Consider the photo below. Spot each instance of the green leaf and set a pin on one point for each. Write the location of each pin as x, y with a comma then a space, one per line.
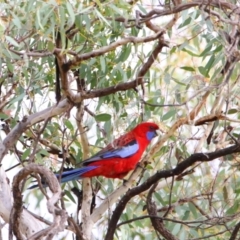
178, 95
104, 117
50, 46
180, 83
225, 194
186, 215
190, 52
206, 51
62, 16
187, 68
173, 50
217, 49
116, 9
232, 111
169, 114
210, 63
176, 229
167, 78
25, 154
48, 14
193, 210
103, 64
126, 50
70, 12
129, 72
143, 9
12, 41
237, 191
69, 125
44, 152
17, 21
82, 10
101, 17
203, 71
234, 208
18, 99
69, 195
186, 22
4, 116
38, 20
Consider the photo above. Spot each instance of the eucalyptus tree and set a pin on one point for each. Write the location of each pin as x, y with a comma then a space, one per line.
75, 75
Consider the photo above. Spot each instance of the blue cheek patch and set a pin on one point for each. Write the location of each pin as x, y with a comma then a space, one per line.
151, 135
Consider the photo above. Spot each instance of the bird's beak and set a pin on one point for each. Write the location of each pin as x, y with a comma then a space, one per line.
157, 133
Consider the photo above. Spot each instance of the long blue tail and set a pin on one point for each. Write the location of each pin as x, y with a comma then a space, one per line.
74, 174
70, 175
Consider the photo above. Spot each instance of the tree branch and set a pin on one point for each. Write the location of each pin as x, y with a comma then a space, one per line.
85, 56
59, 215
235, 232
196, 157
157, 222
27, 122
186, 5
87, 223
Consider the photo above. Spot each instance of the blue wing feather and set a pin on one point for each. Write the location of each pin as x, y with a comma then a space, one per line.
120, 152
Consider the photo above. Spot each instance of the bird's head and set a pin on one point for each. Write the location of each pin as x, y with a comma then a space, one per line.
147, 130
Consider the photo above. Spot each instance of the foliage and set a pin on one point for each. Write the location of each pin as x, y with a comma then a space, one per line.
120, 63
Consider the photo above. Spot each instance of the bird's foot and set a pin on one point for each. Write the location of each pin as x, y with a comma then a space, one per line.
140, 166
124, 182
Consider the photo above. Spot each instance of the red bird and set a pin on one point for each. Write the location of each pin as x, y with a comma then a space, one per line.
118, 157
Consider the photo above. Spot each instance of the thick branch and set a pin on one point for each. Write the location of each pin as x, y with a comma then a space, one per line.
121, 190
197, 157
157, 222
60, 216
235, 232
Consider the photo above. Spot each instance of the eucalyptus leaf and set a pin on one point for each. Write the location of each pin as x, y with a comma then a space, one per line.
104, 117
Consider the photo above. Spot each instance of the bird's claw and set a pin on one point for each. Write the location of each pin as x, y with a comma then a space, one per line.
124, 182
139, 165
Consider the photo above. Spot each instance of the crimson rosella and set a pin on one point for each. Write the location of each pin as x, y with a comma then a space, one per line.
118, 157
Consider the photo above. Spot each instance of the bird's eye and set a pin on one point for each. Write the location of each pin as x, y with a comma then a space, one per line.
151, 128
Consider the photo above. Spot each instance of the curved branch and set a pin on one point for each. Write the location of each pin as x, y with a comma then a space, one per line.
126, 85
29, 224
110, 47
186, 5
196, 157
157, 222
60, 216
122, 189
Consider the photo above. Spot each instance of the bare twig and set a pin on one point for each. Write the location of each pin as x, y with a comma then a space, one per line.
23, 125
